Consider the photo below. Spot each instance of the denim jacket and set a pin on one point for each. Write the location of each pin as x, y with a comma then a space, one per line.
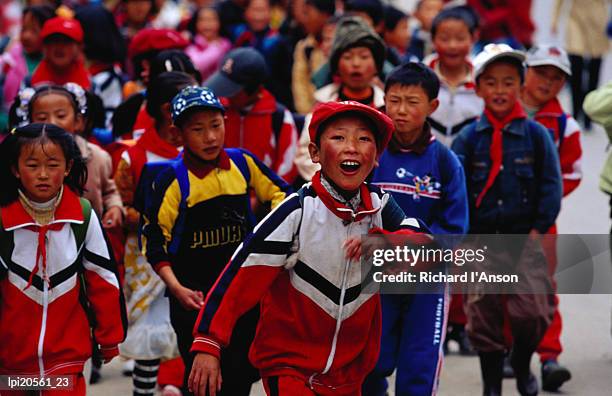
527, 191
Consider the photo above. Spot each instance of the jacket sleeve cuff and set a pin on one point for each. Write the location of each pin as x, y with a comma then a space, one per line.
108, 352
160, 265
204, 344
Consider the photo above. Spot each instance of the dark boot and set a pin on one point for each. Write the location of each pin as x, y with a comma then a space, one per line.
526, 382
554, 375
491, 368
508, 370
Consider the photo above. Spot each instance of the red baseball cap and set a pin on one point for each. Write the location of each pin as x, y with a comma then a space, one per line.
323, 111
155, 40
64, 26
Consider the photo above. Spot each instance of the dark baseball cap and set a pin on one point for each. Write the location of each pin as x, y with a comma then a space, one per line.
242, 68
191, 97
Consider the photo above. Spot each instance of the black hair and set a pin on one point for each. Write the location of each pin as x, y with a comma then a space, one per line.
124, 116
346, 114
392, 17
31, 134
102, 40
192, 25
326, 6
374, 8
173, 60
462, 13
42, 13
509, 61
414, 74
163, 88
95, 117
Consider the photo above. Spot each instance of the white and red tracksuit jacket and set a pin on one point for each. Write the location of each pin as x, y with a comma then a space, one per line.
253, 130
315, 322
570, 149
43, 326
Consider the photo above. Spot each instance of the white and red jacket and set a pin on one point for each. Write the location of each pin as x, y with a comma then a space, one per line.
44, 328
315, 322
254, 130
458, 107
552, 116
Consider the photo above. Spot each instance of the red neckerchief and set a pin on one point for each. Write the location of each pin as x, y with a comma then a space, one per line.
76, 74
340, 210
68, 211
201, 168
496, 148
151, 141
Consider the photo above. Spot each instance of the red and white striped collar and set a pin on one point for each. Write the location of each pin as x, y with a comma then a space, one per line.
339, 209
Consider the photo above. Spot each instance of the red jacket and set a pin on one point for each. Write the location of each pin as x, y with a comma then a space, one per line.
254, 132
505, 18
316, 323
570, 149
43, 327
77, 74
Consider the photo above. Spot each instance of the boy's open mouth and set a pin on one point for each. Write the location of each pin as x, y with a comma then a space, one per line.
350, 166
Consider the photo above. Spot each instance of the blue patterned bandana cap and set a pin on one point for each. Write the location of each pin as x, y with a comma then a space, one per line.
194, 96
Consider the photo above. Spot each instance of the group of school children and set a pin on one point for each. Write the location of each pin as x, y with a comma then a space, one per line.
216, 261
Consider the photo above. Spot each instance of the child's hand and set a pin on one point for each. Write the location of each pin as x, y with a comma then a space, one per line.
112, 218
352, 248
205, 374
189, 299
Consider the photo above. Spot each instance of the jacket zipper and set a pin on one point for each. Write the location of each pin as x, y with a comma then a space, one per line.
332, 353
43, 325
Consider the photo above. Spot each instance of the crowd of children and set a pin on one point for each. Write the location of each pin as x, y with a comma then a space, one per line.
187, 183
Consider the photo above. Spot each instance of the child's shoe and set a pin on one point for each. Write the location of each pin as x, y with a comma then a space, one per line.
554, 375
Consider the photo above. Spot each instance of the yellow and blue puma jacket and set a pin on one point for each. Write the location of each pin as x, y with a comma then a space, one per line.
195, 224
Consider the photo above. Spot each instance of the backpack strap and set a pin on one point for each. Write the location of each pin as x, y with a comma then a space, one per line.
562, 123
80, 230
182, 177
237, 157
278, 118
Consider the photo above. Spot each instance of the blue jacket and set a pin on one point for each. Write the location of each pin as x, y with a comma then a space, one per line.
429, 186
527, 191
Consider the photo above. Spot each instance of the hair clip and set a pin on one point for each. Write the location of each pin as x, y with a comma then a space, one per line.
13, 131
23, 110
79, 94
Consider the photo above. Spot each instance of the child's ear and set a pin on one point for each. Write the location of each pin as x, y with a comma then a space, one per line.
433, 105
477, 89
68, 168
79, 126
175, 132
14, 171
314, 152
166, 110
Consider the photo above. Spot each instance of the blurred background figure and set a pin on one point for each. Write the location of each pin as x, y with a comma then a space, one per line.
586, 43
